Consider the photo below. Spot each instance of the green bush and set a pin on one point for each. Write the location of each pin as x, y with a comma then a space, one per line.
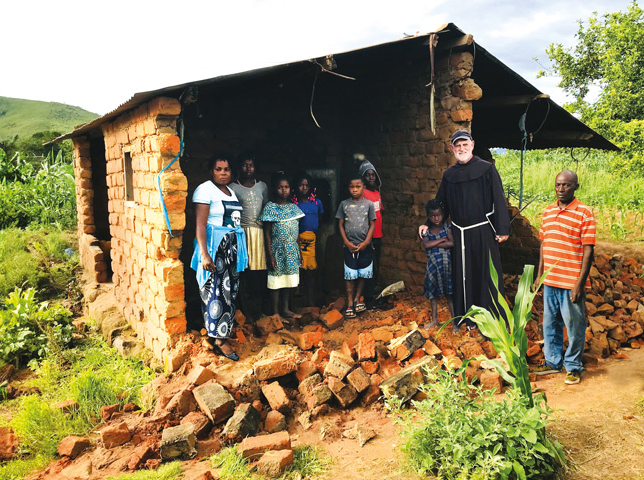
29, 330
37, 259
461, 432
37, 194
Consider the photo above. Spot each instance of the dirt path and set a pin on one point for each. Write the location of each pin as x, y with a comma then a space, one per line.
597, 421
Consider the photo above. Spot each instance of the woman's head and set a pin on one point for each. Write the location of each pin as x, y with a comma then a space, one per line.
246, 165
219, 168
435, 212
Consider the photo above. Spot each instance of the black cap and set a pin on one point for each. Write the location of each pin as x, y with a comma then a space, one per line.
461, 135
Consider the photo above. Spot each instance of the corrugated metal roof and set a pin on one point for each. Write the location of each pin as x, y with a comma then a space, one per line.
494, 119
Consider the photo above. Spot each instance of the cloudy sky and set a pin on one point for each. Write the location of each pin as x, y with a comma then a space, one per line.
96, 55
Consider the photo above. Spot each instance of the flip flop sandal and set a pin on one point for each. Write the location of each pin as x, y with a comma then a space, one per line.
360, 307
349, 313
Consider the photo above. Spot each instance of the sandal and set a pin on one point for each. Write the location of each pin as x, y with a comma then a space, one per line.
360, 307
218, 351
349, 313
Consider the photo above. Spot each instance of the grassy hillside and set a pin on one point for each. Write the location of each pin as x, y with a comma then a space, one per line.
26, 117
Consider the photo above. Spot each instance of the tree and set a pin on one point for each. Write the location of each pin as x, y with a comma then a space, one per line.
605, 74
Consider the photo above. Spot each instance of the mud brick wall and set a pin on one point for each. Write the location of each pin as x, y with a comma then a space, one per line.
413, 159
148, 276
92, 256
522, 248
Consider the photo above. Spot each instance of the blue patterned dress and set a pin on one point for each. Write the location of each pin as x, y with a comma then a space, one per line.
284, 232
438, 276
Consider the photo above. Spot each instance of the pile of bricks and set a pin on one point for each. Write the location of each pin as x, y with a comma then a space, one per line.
614, 310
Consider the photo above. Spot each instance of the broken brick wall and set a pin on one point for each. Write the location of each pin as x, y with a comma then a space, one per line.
147, 274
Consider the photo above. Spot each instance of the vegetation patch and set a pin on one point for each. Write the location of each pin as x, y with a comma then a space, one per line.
168, 471
460, 431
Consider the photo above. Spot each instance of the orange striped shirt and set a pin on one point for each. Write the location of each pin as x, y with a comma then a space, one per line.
564, 234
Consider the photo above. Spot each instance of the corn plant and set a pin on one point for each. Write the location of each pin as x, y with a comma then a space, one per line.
510, 340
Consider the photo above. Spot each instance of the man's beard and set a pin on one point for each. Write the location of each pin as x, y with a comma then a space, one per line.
463, 157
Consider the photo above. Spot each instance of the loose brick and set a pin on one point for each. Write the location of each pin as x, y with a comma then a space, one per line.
182, 403
8, 443
370, 367
178, 442
67, 406
72, 446
305, 370
108, 410
251, 446
275, 422
333, 319
309, 340
403, 347
270, 324
275, 367
345, 394
115, 435
491, 380
276, 396
243, 423
214, 401
208, 447
318, 396
405, 383
339, 365
200, 375
371, 394
359, 379
366, 346
200, 422
431, 348
274, 463
309, 383
382, 334
139, 456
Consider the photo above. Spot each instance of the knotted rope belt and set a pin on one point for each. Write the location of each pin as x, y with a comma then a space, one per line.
462, 230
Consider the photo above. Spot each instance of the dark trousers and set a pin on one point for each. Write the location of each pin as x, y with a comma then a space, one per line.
370, 283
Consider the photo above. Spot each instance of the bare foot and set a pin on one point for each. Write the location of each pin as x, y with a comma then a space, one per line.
290, 314
225, 347
431, 324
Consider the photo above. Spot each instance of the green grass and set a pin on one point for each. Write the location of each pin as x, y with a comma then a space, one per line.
92, 374
308, 462
168, 471
616, 199
18, 469
36, 259
26, 117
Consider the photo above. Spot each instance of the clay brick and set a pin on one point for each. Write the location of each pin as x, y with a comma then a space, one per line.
200, 375
251, 446
347, 350
305, 370
319, 395
491, 380
309, 340
115, 435
309, 383
370, 367
359, 379
370, 395
178, 442
275, 367
139, 456
345, 394
431, 348
339, 365
164, 106
382, 334
333, 319
274, 463
208, 447
366, 346
72, 446
182, 403
270, 324
464, 115
108, 410
276, 396
214, 401
200, 422
243, 423
275, 422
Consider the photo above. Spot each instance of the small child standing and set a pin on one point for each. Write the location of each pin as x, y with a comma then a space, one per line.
357, 222
306, 200
437, 241
372, 185
281, 227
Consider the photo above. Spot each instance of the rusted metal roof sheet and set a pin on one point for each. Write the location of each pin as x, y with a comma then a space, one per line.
506, 96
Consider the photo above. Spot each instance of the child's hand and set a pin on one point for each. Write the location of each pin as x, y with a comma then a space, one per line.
351, 246
361, 246
273, 263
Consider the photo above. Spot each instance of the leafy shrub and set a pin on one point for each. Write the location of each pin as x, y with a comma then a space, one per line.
461, 432
36, 259
29, 330
41, 194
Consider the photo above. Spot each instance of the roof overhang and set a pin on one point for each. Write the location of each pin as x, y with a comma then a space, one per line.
506, 96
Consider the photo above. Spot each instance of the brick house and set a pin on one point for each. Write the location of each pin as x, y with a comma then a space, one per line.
397, 103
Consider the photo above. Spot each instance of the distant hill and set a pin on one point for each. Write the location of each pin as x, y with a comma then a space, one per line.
26, 117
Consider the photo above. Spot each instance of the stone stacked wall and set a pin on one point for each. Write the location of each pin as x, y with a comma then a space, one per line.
148, 276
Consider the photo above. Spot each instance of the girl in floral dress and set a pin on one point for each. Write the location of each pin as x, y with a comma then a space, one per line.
281, 230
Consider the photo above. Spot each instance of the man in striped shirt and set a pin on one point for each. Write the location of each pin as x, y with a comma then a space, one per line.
568, 239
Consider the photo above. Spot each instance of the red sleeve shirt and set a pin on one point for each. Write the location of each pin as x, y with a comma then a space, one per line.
564, 234
374, 196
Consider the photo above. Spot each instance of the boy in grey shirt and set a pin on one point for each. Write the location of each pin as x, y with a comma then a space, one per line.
357, 222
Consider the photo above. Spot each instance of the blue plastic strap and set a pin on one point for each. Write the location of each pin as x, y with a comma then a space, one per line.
165, 210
